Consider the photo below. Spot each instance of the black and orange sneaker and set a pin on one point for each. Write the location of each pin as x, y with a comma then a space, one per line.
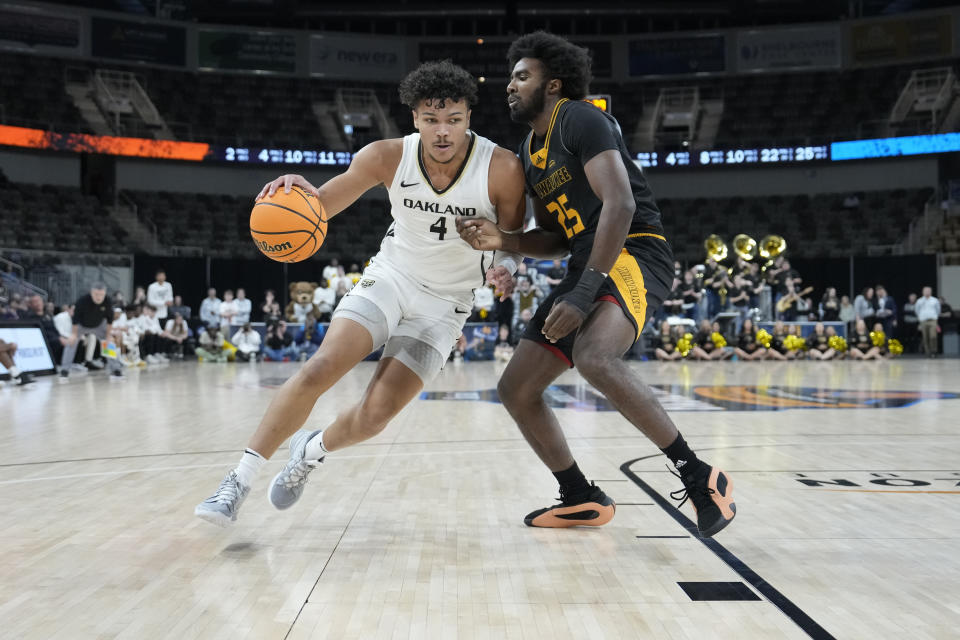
593, 508
710, 490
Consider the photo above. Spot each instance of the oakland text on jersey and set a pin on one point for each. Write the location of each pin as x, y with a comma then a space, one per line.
436, 207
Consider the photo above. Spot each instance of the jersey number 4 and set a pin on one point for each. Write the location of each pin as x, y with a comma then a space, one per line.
568, 217
440, 227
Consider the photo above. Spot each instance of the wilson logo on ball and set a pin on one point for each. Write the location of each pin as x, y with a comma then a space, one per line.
272, 248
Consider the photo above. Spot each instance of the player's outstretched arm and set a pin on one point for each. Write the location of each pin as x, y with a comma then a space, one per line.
374, 164
543, 242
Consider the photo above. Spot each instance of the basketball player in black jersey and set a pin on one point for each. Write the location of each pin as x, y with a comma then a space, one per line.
592, 202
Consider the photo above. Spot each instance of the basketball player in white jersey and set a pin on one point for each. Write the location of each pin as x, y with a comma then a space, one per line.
415, 295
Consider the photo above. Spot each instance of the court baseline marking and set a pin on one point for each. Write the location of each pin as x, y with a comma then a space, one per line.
777, 599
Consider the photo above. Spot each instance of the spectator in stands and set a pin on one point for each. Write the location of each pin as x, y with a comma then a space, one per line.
928, 310
861, 346
211, 345
279, 343
690, 295
738, 298
127, 332
323, 299
244, 307
330, 272
503, 348
6, 312
847, 312
747, 346
886, 311
520, 325
178, 333
711, 284
354, 274
340, 281
92, 319
160, 295
526, 296
210, 308
275, 315
36, 312
228, 311
864, 306
556, 273
179, 307
247, 342
17, 305
673, 305
806, 310
343, 288
666, 343
153, 346
483, 304
787, 304
308, 339
49, 309
818, 344
63, 322
7, 351
140, 296
911, 325
830, 306
119, 300
269, 297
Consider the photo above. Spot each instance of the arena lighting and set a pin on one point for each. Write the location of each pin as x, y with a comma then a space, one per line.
199, 151
85, 143
889, 147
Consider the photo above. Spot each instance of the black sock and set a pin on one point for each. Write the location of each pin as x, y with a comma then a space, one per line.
684, 460
572, 481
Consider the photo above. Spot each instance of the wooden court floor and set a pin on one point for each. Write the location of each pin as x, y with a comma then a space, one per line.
847, 481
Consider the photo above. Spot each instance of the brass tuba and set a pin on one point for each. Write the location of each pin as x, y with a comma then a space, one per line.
715, 247
745, 247
772, 246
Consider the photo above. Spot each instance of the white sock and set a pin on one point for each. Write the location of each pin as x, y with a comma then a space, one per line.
14, 371
249, 467
314, 449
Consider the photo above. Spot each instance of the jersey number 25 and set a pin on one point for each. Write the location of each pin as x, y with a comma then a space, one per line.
568, 217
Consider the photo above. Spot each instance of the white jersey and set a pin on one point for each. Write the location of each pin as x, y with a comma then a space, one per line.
422, 243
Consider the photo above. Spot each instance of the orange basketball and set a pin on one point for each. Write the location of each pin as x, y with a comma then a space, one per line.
288, 227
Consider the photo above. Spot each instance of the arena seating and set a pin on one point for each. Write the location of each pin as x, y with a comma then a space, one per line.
786, 108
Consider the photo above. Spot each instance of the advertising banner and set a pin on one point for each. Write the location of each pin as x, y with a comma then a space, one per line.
247, 51
25, 27
358, 57
32, 352
677, 55
775, 49
138, 41
887, 41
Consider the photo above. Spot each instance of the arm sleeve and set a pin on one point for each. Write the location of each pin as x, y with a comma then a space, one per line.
586, 131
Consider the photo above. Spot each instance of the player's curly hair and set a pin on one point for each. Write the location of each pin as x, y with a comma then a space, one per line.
562, 59
440, 81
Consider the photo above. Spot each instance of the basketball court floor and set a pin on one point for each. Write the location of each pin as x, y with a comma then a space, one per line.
846, 475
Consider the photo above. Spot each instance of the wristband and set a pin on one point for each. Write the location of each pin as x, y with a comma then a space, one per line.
583, 295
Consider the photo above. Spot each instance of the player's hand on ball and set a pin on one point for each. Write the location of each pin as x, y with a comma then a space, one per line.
480, 233
502, 282
286, 181
563, 318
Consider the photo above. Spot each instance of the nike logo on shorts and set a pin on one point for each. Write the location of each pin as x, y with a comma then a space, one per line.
459, 310
402, 184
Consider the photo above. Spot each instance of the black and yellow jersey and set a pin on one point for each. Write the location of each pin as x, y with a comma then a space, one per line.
554, 171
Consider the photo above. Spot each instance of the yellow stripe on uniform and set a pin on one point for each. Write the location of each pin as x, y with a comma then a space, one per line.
647, 235
628, 278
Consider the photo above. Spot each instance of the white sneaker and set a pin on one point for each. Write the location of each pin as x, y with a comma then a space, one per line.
221, 508
152, 359
287, 486
163, 357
